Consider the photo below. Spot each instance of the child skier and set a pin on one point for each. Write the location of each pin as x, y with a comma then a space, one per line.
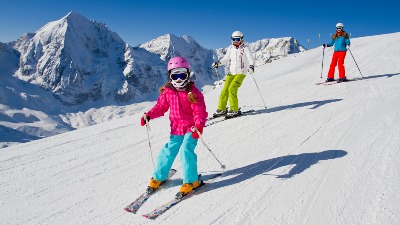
340, 39
237, 55
187, 114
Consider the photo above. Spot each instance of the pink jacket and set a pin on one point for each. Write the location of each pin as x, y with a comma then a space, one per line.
183, 114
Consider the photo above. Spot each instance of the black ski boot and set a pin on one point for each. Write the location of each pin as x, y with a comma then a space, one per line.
219, 113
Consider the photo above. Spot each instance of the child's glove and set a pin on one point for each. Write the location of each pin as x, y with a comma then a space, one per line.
215, 65
251, 69
324, 45
143, 121
195, 135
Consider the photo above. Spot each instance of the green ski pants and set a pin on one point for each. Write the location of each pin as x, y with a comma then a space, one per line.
230, 89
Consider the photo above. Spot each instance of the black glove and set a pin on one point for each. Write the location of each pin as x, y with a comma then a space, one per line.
143, 121
251, 69
215, 65
324, 45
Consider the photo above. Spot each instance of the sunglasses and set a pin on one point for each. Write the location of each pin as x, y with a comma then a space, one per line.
236, 39
176, 76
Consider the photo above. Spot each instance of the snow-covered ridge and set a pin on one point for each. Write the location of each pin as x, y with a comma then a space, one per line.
269, 49
200, 59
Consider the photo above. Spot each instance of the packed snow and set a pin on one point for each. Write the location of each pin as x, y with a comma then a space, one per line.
316, 155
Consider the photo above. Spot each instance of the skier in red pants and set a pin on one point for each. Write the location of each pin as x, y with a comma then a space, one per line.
340, 40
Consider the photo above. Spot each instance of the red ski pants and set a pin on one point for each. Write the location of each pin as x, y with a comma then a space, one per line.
337, 58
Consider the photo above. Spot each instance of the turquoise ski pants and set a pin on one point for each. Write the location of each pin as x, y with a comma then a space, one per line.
186, 145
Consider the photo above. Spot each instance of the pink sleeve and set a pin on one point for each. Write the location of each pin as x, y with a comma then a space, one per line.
160, 108
199, 109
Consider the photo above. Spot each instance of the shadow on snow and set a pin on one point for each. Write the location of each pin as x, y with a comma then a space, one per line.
299, 162
377, 76
314, 104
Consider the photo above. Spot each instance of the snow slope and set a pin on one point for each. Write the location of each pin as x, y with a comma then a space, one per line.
317, 155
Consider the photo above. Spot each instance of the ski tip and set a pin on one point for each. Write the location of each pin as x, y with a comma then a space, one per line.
128, 210
134, 211
148, 217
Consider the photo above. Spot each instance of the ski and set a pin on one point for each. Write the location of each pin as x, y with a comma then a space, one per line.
216, 117
333, 82
164, 207
223, 118
214, 120
326, 82
241, 114
135, 205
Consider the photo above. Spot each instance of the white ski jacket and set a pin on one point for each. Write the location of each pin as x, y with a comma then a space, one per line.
239, 59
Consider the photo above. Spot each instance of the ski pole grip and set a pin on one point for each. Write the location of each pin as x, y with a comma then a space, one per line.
147, 121
194, 129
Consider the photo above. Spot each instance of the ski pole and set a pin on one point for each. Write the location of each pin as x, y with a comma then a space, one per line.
323, 54
216, 72
148, 138
259, 91
194, 129
348, 47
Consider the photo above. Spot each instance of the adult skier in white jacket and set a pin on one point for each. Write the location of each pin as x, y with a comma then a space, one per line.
240, 60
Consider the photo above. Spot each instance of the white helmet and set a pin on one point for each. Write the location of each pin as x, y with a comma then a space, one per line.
339, 25
237, 35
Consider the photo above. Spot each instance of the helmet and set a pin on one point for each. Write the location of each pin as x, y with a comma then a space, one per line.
339, 25
178, 62
180, 66
237, 34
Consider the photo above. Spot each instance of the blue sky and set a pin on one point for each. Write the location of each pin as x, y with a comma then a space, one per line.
210, 23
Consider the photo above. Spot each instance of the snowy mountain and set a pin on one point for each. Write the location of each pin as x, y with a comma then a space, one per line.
200, 59
269, 49
317, 155
81, 60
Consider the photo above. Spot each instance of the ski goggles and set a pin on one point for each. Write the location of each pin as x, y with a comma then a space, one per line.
176, 76
236, 39
339, 28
